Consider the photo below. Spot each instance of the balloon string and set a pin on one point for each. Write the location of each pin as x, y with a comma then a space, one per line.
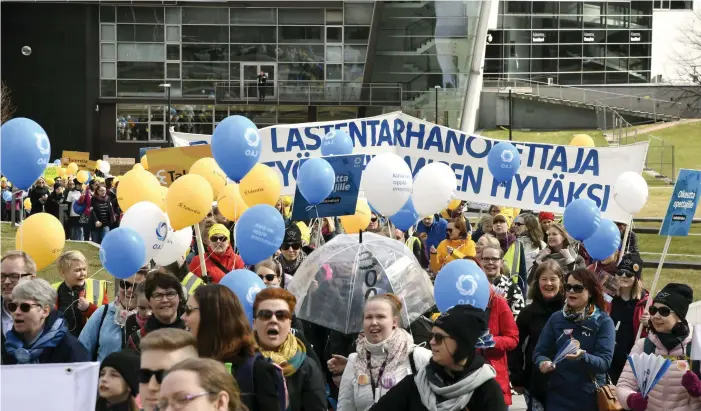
319, 224
21, 220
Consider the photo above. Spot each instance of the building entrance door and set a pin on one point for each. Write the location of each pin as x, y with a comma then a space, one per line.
249, 81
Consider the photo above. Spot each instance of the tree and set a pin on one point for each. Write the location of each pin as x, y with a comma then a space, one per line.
689, 62
6, 107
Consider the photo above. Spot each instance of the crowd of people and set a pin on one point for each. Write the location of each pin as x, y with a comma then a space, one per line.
172, 338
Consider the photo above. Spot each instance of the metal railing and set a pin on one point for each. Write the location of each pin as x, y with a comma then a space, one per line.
660, 154
309, 92
631, 103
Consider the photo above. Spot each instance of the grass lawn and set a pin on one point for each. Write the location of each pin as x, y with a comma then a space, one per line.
552, 137
686, 139
50, 273
657, 202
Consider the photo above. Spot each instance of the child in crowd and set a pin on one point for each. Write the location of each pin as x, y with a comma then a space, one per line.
143, 312
77, 296
119, 382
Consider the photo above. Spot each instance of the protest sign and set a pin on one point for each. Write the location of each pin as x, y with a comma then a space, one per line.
143, 150
120, 165
550, 177
682, 204
344, 197
51, 172
80, 158
167, 164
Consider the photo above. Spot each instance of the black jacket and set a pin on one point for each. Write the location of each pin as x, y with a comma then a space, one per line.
531, 322
53, 204
152, 324
35, 195
100, 205
67, 305
264, 396
306, 388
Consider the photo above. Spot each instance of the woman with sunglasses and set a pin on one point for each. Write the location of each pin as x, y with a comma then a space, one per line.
291, 255
220, 258
270, 271
39, 334
572, 386
215, 317
105, 329
456, 378
680, 387
272, 311
457, 244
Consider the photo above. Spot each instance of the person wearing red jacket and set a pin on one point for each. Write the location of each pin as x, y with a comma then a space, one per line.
220, 258
503, 328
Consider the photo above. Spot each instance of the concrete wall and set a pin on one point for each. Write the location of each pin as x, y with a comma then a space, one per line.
689, 97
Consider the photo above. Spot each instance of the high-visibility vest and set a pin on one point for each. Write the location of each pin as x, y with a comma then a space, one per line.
512, 259
411, 241
95, 290
190, 283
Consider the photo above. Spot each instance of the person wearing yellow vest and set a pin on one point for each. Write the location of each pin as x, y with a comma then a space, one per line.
514, 257
77, 296
457, 244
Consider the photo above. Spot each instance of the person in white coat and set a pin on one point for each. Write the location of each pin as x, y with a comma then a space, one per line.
385, 354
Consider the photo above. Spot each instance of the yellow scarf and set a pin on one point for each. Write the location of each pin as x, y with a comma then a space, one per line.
289, 356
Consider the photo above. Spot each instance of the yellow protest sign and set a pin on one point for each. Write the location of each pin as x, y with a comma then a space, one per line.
120, 165
167, 164
80, 158
51, 172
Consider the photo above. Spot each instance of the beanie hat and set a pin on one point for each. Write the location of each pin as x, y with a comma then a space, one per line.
293, 235
219, 229
676, 296
465, 324
127, 363
545, 215
632, 263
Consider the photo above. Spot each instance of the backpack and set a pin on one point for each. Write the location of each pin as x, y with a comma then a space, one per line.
244, 378
649, 348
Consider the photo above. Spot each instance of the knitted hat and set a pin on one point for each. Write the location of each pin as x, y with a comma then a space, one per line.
545, 215
632, 263
293, 235
219, 229
127, 363
465, 324
676, 296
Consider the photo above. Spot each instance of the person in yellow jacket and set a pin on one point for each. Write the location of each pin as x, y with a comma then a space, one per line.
457, 245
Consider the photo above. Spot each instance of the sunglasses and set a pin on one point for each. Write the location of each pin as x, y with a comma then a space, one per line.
189, 310
267, 277
626, 273
439, 338
218, 239
24, 307
145, 375
266, 315
576, 288
374, 219
287, 246
126, 284
664, 311
449, 230
518, 224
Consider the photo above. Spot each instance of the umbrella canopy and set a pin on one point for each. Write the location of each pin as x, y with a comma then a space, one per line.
333, 282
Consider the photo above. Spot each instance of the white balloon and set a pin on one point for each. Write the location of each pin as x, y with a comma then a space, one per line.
105, 167
150, 222
630, 192
175, 246
434, 185
387, 183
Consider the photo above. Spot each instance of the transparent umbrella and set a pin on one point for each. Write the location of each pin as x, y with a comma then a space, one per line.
333, 283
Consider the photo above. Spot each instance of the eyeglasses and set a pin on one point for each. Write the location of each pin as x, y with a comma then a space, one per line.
664, 311
287, 246
24, 307
189, 310
626, 273
268, 277
180, 401
145, 375
126, 284
13, 277
218, 239
439, 338
170, 296
266, 315
449, 230
574, 288
490, 259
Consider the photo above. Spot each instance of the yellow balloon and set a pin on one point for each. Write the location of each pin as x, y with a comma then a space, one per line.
144, 162
208, 168
188, 202
98, 163
454, 204
360, 220
136, 186
62, 172
138, 167
164, 193
83, 176
230, 203
72, 168
50, 182
260, 186
27, 204
42, 237
582, 140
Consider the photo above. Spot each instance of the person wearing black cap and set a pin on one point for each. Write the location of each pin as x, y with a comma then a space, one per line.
679, 388
627, 309
53, 202
119, 382
291, 255
456, 378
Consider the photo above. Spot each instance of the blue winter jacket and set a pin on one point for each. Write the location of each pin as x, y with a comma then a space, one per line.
570, 386
435, 233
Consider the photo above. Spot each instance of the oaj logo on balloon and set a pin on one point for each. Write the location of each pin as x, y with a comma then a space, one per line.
44, 147
253, 139
161, 233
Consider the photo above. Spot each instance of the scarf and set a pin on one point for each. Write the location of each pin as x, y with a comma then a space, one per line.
675, 337
290, 267
121, 314
49, 338
141, 322
579, 315
391, 352
289, 356
506, 242
454, 397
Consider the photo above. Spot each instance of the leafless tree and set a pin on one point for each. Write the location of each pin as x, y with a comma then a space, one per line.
689, 63
6, 107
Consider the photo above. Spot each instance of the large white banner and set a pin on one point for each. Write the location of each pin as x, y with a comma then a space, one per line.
550, 177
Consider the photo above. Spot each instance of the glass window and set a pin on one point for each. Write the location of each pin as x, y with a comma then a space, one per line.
334, 16
138, 14
235, 71
107, 14
334, 54
357, 34
334, 72
570, 64
543, 65
173, 51
157, 132
301, 72
570, 36
355, 54
544, 22
173, 15
594, 78
205, 15
358, 13
252, 52
205, 71
253, 34
518, 36
639, 64
140, 33
108, 70
259, 114
334, 34
140, 70
545, 7
516, 22
570, 50
292, 114
127, 88
205, 34
108, 88
173, 33
617, 50
140, 52
253, 16
595, 50
640, 50
353, 72
221, 113
108, 51
640, 36
301, 34
107, 32
518, 7
300, 16
173, 70
205, 52
617, 77
198, 89
301, 53
570, 78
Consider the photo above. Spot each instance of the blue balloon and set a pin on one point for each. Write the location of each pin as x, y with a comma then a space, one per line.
258, 233
6, 196
236, 146
461, 282
604, 242
315, 180
336, 143
57, 161
503, 161
122, 252
24, 151
245, 284
406, 217
582, 218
